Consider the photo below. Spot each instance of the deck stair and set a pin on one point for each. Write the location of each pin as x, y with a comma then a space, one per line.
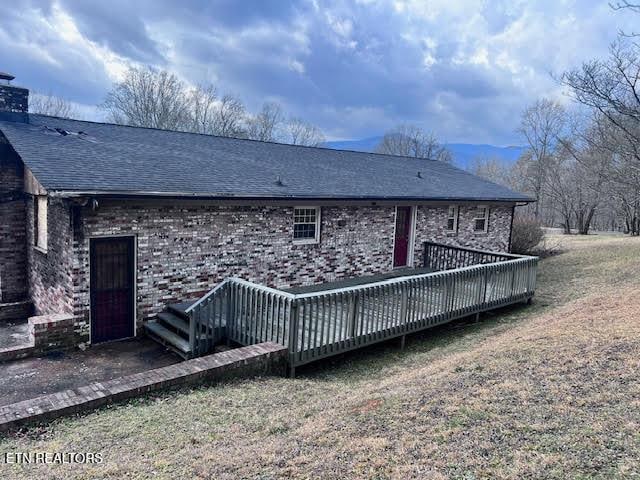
171, 328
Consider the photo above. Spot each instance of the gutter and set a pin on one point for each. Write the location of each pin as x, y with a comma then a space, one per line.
253, 198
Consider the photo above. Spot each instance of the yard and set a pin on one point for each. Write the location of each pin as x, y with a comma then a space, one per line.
547, 391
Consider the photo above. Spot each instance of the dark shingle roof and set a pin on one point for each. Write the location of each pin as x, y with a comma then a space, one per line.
108, 158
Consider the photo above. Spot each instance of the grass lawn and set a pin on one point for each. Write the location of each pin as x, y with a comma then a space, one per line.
547, 391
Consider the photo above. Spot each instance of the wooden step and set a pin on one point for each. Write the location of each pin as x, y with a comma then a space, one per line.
168, 338
179, 324
178, 309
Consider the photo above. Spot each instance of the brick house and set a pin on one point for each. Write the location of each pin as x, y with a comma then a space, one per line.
109, 223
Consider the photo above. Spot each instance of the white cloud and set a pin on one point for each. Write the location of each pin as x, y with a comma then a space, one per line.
465, 68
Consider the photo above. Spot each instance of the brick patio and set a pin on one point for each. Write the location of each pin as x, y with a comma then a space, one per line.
258, 359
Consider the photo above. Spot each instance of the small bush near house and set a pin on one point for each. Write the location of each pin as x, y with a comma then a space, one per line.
526, 235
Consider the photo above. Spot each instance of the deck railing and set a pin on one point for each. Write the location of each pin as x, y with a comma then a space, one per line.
320, 324
438, 256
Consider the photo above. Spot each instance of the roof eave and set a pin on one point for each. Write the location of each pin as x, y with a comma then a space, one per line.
249, 197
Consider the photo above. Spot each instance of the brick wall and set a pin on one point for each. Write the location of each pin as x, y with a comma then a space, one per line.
183, 251
13, 250
52, 332
14, 99
431, 225
50, 271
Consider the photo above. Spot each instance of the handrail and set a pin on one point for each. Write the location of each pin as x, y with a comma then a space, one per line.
474, 250
264, 288
364, 286
404, 278
204, 298
239, 281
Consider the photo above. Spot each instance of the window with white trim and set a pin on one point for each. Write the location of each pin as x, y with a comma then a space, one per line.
481, 219
452, 219
40, 214
306, 224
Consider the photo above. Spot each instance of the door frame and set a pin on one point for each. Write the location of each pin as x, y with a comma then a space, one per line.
413, 213
135, 284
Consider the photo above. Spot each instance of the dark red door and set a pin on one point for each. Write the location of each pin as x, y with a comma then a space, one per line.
112, 288
403, 236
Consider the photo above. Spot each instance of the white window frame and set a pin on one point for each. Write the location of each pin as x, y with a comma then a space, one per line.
456, 217
40, 222
307, 241
476, 217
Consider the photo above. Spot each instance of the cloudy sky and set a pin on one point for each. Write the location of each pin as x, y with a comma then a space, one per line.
462, 68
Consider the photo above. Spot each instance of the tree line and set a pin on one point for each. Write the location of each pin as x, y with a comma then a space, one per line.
147, 97
582, 162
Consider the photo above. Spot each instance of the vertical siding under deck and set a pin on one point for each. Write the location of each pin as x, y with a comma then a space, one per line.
321, 324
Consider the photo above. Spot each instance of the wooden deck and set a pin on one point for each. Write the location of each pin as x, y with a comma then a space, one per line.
320, 321
355, 281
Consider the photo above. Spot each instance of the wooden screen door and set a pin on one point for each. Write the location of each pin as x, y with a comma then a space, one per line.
403, 237
112, 288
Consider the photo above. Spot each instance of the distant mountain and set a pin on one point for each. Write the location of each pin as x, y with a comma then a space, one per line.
364, 145
463, 153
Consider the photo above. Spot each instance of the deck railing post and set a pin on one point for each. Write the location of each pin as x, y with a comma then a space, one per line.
486, 281
425, 249
228, 315
192, 332
354, 315
294, 320
404, 301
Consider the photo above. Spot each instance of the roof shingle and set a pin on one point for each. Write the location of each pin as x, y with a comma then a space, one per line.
107, 158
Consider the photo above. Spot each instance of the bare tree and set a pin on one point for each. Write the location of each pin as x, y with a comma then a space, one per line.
541, 124
612, 88
303, 133
202, 105
51, 105
626, 5
559, 190
492, 169
158, 99
148, 98
412, 141
266, 125
623, 4
228, 118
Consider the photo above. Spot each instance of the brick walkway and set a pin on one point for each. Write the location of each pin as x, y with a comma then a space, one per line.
263, 358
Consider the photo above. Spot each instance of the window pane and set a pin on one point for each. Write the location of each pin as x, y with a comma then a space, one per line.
304, 215
450, 224
304, 230
480, 223
305, 223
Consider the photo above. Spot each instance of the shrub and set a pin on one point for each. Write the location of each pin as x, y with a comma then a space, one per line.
526, 235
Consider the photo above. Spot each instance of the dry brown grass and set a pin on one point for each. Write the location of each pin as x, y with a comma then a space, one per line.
549, 391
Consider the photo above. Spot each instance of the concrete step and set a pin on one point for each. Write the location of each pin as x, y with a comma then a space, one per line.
15, 311
179, 324
168, 338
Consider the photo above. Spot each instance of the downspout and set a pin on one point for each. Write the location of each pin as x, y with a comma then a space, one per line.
513, 214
